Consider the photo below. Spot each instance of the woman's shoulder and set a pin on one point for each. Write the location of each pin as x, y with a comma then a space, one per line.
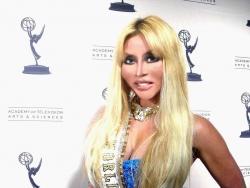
201, 123
204, 131
207, 139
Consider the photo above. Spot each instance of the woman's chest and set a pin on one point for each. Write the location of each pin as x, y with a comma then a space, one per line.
139, 138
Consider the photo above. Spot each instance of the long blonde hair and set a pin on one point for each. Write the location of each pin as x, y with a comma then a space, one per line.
168, 158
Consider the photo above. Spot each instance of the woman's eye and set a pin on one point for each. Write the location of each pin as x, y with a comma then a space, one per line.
151, 59
129, 60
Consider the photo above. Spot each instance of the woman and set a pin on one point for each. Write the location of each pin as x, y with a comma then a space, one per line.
146, 136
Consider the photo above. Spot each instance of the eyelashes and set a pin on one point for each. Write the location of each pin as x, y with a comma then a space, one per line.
129, 60
152, 59
149, 58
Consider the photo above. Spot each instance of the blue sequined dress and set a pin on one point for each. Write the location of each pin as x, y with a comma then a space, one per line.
130, 169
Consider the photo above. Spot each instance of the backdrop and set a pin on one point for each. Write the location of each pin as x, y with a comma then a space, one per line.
55, 64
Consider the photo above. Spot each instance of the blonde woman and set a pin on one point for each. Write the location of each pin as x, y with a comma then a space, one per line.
146, 136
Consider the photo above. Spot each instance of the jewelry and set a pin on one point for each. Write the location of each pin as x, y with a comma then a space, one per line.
140, 113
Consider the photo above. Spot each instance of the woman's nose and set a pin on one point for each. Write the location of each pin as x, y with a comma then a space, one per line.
141, 68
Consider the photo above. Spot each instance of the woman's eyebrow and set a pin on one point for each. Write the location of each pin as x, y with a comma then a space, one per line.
131, 55
149, 53
128, 55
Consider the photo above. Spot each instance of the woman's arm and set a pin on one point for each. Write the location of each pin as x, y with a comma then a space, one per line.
214, 153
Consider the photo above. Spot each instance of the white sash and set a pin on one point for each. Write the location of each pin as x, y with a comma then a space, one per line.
112, 157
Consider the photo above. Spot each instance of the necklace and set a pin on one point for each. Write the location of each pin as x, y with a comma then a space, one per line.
140, 113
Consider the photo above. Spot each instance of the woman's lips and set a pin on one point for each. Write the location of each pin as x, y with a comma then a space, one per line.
142, 86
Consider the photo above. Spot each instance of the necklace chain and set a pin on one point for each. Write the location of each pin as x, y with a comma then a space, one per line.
140, 113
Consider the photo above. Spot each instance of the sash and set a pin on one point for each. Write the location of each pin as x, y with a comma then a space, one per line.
112, 158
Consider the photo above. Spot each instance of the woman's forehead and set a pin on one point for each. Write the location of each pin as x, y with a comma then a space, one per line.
135, 42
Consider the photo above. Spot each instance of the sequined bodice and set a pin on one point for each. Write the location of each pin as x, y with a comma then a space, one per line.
130, 169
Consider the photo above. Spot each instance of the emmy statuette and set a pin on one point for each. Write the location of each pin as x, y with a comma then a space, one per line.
122, 7
28, 25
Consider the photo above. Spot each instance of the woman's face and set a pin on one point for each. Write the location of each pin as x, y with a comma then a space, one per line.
141, 69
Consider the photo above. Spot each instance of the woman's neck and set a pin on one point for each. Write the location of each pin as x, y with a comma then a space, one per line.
148, 102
